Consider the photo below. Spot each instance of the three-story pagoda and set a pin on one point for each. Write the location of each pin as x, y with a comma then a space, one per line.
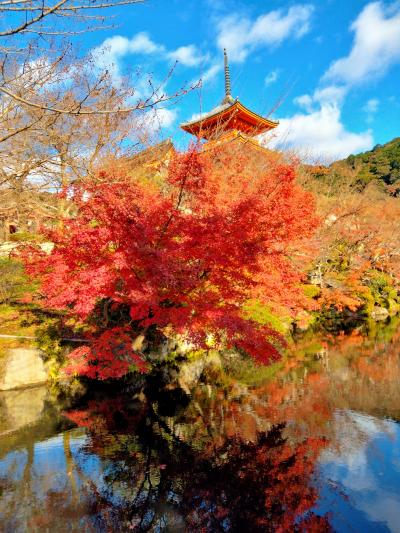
229, 120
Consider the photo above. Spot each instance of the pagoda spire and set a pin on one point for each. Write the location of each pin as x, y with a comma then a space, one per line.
229, 118
228, 96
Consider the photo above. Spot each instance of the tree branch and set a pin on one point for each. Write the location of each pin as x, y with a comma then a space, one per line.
26, 24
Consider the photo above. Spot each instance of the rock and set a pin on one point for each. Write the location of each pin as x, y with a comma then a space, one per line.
176, 344
333, 283
47, 247
139, 343
379, 313
21, 367
330, 220
190, 372
72, 388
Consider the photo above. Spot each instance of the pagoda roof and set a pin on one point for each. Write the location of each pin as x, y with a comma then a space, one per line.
153, 154
230, 115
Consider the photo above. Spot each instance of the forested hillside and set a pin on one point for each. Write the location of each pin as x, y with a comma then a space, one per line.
358, 242
381, 164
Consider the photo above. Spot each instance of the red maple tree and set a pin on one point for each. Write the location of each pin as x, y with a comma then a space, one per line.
181, 257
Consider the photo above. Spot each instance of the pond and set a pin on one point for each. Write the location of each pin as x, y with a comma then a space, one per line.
311, 444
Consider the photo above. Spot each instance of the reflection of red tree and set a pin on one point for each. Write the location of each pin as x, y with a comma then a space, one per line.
304, 401
107, 421
228, 482
263, 486
270, 477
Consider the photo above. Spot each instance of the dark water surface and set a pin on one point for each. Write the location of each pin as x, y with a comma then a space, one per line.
312, 444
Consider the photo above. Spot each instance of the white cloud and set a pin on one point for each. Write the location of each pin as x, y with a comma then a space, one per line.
319, 135
240, 35
359, 472
305, 101
370, 108
376, 45
153, 122
189, 56
211, 72
160, 118
110, 53
318, 132
208, 75
166, 117
113, 46
142, 44
332, 94
271, 78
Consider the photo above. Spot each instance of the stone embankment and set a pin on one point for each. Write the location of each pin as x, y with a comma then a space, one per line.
20, 408
21, 367
6, 248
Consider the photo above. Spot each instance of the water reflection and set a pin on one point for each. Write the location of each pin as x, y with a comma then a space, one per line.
312, 446
369, 473
170, 480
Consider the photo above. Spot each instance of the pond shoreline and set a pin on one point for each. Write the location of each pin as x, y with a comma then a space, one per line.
49, 342
227, 448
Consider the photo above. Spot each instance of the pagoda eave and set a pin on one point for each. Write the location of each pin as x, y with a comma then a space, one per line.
233, 117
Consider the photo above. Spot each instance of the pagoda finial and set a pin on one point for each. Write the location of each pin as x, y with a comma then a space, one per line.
228, 96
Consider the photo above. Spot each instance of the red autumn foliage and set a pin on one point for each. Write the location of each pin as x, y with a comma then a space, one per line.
109, 356
184, 256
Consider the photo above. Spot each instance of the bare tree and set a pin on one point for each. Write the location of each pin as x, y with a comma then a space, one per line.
52, 150
28, 19
46, 17
60, 116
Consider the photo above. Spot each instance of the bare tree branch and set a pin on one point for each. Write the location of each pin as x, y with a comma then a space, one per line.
44, 13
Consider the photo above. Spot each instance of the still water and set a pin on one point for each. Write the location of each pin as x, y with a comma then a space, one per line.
312, 444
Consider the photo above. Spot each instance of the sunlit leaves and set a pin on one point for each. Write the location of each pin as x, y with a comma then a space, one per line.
186, 257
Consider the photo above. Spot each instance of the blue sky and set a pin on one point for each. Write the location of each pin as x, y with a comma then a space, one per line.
333, 66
